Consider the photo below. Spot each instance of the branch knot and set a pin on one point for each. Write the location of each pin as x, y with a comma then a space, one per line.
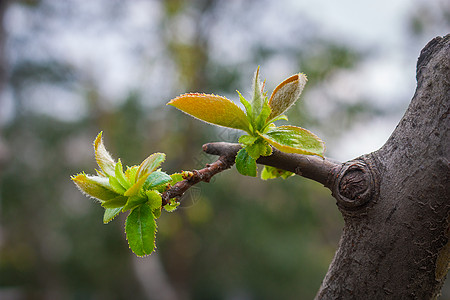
355, 185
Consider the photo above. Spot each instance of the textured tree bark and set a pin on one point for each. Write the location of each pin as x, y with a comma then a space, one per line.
396, 201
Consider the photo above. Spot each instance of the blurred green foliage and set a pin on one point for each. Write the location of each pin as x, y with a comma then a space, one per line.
235, 238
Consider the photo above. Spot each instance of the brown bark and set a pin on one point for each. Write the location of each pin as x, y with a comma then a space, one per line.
225, 161
395, 201
395, 246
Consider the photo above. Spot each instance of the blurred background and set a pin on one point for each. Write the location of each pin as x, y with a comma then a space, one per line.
69, 69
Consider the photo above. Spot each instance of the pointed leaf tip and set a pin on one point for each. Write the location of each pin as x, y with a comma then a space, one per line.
150, 164
286, 94
94, 186
258, 97
110, 214
213, 109
103, 158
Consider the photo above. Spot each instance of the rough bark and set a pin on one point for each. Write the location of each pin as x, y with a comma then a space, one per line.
395, 201
395, 242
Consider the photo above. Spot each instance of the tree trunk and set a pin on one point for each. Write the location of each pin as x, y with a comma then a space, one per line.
396, 201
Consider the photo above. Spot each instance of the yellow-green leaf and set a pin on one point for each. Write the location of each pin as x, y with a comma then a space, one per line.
269, 172
245, 164
176, 177
172, 205
95, 186
110, 214
257, 149
213, 109
157, 212
291, 139
247, 140
103, 158
286, 93
247, 106
117, 202
154, 199
130, 174
133, 202
135, 188
120, 176
258, 97
116, 186
150, 164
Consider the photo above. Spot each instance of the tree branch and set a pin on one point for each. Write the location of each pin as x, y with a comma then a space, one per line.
318, 169
322, 170
224, 162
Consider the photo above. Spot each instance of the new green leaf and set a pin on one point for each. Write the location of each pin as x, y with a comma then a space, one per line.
269, 172
155, 179
130, 174
154, 199
260, 121
245, 164
172, 205
138, 190
258, 97
116, 186
260, 147
137, 187
120, 176
212, 109
134, 201
103, 158
247, 139
247, 106
291, 139
110, 214
140, 228
95, 186
117, 202
150, 164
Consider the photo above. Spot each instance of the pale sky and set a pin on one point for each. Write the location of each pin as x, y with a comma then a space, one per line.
387, 76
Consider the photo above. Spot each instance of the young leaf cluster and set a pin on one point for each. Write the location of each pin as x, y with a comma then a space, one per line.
138, 190
257, 121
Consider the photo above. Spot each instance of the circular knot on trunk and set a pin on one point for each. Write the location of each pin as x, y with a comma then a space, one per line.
355, 185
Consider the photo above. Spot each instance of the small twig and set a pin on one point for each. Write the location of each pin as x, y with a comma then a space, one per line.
224, 162
319, 169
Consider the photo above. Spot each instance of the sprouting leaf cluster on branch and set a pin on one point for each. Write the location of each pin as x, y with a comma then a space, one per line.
257, 121
145, 189
137, 190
